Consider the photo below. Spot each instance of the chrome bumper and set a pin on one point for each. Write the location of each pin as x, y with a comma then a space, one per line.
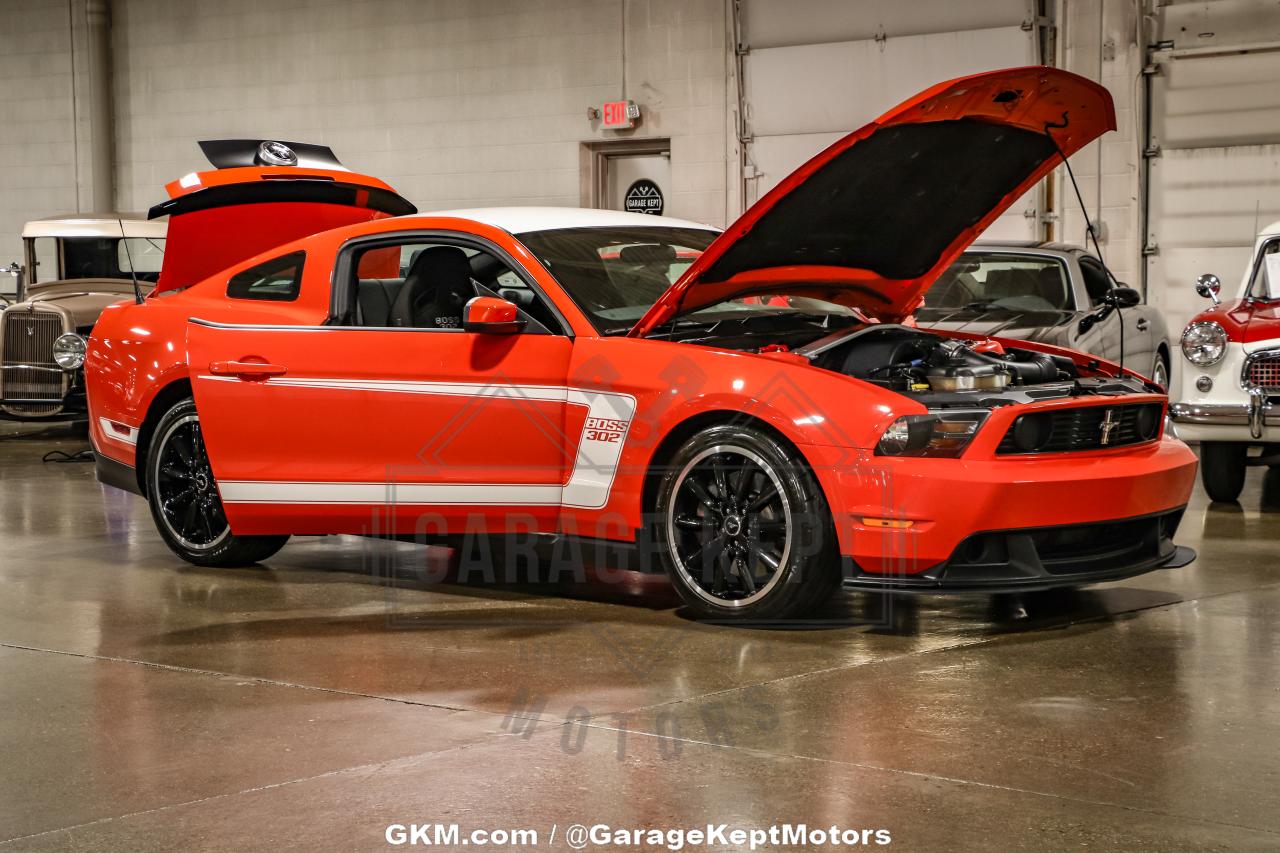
1257, 414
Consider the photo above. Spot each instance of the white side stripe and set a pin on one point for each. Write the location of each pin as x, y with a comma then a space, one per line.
605, 429
439, 494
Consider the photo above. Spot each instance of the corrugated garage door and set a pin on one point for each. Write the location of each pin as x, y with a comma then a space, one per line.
813, 70
1214, 146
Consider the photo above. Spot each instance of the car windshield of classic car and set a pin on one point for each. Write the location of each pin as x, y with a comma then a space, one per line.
97, 257
616, 274
1266, 275
1009, 281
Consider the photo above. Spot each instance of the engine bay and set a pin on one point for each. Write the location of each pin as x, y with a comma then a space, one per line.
947, 371
938, 370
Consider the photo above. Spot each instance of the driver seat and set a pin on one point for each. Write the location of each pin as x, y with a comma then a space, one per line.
436, 290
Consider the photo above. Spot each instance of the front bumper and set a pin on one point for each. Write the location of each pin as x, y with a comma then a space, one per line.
1028, 559
1258, 416
900, 517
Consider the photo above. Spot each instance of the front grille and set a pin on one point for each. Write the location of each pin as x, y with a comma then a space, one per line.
1082, 428
1263, 371
29, 372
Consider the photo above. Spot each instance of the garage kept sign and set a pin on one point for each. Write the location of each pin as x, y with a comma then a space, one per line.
643, 196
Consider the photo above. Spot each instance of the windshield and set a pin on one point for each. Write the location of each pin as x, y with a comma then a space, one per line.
109, 257
616, 274
1013, 282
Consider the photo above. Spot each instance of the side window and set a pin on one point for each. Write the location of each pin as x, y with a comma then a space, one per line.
45, 257
277, 280
423, 284
1096, 283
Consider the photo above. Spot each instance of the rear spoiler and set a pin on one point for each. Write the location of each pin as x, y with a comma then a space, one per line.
262, 194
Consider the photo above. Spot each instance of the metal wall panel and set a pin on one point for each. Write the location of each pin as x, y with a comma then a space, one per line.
1200, 101
1217, 24
800, 98
772, 23
843, 85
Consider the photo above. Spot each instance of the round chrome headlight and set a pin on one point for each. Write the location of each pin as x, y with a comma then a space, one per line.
1204, 343
68, 351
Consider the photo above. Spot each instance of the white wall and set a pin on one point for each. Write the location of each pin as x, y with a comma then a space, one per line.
1098, 39
37, 125
453, 103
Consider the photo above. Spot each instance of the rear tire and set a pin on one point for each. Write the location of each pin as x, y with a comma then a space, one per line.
743, 528
1222, 469
184, 499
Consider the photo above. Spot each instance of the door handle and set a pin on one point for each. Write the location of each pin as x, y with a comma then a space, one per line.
246, 369
1142, 324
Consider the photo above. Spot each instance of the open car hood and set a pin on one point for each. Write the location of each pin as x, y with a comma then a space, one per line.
873, 220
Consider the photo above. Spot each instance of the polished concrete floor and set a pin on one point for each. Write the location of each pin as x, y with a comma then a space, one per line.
309, 703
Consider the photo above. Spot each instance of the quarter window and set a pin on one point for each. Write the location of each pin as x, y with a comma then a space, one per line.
277, 280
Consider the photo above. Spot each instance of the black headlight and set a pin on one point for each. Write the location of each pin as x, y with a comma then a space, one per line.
936, 434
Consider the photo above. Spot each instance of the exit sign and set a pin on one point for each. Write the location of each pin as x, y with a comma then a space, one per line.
618, 115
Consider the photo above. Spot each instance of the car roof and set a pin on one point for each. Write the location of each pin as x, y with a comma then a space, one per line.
1045, 245
521, 220
1270, 230
96, 225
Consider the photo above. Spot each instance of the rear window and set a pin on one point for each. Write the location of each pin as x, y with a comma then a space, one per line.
277, 280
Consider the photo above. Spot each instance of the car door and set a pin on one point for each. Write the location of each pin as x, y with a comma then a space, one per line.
366, 429
1105, 337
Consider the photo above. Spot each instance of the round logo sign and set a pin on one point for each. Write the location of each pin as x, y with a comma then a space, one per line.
276, 154
644, 197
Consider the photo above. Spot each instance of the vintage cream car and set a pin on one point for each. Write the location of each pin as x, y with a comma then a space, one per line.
1230, 399
73, 267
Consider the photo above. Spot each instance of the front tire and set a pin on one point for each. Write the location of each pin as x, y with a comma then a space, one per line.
743, 528
184, 499
1160, 371
1222, 469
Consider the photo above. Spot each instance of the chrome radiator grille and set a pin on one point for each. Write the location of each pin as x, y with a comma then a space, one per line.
28, 371
1262, 370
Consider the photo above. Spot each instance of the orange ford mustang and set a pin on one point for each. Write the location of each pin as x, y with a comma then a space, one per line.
751, 410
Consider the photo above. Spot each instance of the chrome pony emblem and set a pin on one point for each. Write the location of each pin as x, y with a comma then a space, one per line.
276, 154
1109, 424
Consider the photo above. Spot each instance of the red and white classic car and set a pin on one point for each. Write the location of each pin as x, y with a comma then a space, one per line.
1230, 399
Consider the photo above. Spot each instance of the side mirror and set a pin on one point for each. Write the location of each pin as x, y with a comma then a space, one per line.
491, 316
1124, 297
18, 273
1209, 287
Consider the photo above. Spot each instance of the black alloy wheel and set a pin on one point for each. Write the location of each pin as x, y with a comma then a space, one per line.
743, 527
184, 498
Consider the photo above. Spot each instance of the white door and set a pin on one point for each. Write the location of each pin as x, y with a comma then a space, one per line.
1213, 149
814, 70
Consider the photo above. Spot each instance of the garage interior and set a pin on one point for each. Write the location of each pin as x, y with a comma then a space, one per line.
311, 702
